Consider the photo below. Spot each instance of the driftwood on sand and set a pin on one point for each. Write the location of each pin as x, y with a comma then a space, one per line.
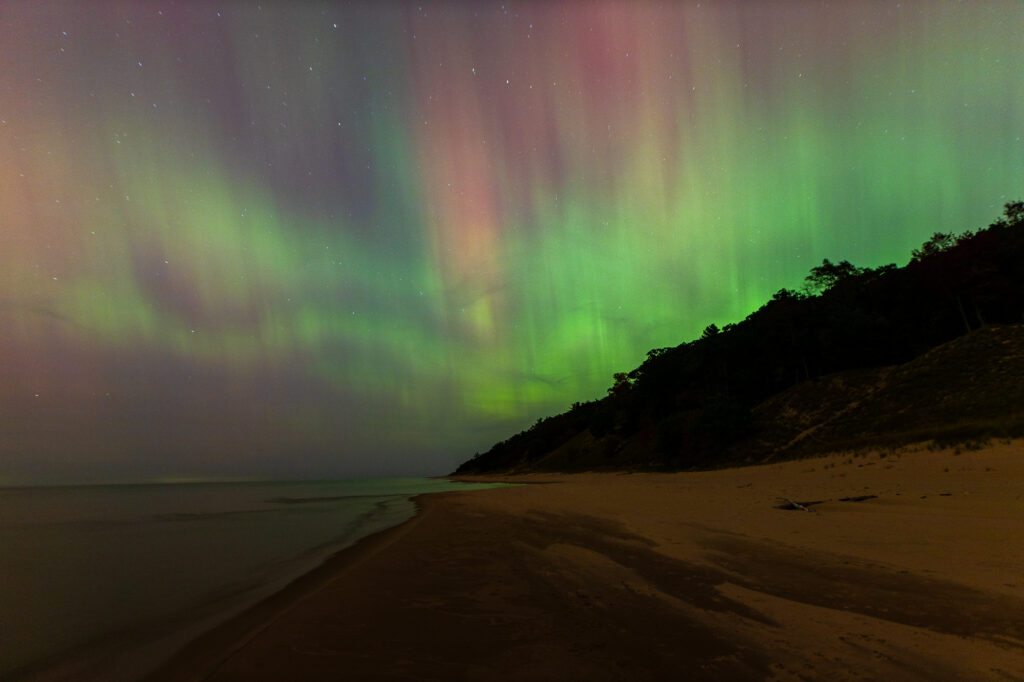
791, 504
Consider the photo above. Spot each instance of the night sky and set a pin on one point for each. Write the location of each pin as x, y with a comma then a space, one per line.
301, 239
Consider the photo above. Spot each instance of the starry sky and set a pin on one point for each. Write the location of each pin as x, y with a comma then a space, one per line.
335, 239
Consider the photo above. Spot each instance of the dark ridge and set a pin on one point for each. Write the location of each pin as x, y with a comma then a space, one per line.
860, 358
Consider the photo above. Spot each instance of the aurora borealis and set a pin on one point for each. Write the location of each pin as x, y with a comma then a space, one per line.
318, 239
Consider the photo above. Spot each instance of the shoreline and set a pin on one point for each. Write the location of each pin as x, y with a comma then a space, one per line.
638, 576
203, 654
131, 650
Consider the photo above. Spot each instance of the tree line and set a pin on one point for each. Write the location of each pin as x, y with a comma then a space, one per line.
692, 401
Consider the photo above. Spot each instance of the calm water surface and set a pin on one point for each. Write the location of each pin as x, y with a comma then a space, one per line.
120, 576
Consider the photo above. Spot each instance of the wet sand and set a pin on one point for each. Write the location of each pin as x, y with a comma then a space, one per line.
668, 576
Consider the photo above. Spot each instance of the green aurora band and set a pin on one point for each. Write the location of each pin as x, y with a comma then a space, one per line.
336, 239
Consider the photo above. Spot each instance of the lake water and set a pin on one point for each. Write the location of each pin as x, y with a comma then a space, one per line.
108, 581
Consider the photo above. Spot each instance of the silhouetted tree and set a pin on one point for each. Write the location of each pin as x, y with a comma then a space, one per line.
622, 384
939, 242
828, 274
1014, 214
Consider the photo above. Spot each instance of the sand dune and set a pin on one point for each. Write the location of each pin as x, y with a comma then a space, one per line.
670, 576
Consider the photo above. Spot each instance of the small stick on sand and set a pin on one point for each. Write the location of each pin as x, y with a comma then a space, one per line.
797, 505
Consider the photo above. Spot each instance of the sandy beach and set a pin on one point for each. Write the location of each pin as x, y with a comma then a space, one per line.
668, 576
